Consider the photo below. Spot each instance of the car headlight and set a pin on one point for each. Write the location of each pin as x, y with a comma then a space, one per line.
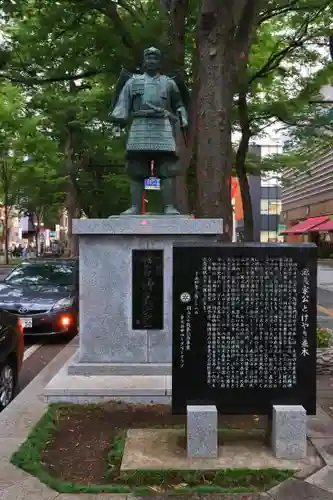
63, 304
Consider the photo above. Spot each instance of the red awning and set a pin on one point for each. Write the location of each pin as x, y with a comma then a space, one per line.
327, 226
306, 225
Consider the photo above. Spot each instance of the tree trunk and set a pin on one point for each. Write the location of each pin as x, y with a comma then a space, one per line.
6, 228
178, 13
214, 160
71, 202
73, 212
241, 167
175, 11
37, 234
224, 34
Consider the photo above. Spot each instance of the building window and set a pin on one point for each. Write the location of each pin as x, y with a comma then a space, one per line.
270, 207
270, 237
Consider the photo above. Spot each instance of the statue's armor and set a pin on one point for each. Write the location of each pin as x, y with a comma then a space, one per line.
153, 103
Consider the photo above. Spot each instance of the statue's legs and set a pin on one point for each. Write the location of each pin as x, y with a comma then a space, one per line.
168, 196
138, 170
167, 169
137, 188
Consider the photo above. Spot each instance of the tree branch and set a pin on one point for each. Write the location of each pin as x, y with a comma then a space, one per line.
275, 59
31, 81
109, 9
75, 21
240, 160
124, 4
291, 7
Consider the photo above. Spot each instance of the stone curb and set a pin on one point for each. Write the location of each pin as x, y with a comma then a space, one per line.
28, 407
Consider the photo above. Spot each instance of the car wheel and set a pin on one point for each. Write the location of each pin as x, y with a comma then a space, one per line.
7, 385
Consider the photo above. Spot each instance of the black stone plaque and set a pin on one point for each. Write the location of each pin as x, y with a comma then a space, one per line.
147, 290
244, 326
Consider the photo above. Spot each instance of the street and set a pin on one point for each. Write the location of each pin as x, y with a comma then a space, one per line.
39, 351
325, 295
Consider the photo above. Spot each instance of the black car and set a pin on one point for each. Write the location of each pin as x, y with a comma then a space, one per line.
43, 295
11, 356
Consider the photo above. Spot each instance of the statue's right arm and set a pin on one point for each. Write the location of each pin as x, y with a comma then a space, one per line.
122, 109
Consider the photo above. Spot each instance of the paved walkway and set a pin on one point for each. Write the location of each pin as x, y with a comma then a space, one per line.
25, 411
325, 275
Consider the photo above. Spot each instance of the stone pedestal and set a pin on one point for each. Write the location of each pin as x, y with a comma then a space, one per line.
289, 432
108, 344
202, 431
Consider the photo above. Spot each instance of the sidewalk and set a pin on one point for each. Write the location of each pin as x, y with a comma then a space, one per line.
325, 275
25, 411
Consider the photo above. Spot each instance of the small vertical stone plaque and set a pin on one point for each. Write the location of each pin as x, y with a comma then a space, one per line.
147, 290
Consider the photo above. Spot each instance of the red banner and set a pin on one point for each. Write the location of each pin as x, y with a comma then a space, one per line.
234, 186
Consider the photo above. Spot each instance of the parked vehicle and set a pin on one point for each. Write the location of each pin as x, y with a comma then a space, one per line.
42, 293
11, 356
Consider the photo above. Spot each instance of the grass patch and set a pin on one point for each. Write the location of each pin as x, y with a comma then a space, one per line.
140, 482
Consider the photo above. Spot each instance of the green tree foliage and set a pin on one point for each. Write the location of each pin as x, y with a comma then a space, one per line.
26, 185
278, 79
66, 57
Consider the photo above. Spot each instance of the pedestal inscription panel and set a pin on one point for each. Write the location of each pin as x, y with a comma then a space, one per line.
244, 327
147, 290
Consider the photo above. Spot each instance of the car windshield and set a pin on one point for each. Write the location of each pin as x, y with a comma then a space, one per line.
46, 273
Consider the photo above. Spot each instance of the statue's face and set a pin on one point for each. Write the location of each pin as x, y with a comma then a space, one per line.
152, 62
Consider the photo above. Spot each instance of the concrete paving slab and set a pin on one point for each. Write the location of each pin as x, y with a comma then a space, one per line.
183, 497
325, 383
324, 447
30, 489
96, 496
14, 422
309, 469
28, 407
323, 479
236, 496
320, 425
216, 496
8, 446
166, 449
10, 475
294, 489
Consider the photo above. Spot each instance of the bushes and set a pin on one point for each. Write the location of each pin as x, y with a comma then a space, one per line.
324, 337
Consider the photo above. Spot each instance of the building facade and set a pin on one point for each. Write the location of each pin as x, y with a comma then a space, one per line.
307, 203
266, 201
266, 206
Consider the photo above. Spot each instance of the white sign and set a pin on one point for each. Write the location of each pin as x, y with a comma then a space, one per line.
152, 184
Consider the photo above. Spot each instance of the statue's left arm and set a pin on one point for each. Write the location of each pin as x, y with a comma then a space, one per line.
177, 104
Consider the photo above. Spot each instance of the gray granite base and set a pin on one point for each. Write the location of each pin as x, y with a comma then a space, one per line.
289, 431
80, 368
202, 433
81, 389
105, 280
